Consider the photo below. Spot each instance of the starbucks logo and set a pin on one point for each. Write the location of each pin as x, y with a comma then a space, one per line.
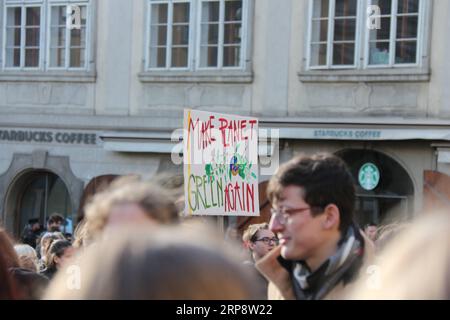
369, 176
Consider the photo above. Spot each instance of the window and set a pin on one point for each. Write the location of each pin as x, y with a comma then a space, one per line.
340, 38
38, 35
169, 34
396, 42
333, 33
196, 34
220, 34
67, 46
23, 38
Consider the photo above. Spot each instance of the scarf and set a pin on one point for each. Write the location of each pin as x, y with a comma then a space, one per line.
342, 266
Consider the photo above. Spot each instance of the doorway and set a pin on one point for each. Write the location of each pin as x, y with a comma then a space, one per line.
41, 194
386, 197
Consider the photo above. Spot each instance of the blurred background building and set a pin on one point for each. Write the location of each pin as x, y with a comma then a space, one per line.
86, 99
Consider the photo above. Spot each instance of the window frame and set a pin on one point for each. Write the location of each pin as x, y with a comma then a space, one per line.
169, 40
66, 67
330, 38
194, 63
221, 44
44, 69
23, 5
362, 39
393, 39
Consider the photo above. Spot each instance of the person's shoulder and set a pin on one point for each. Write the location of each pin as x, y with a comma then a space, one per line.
24, 274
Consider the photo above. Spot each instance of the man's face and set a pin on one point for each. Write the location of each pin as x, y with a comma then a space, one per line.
301, 234
35, 226
263, 244
371, 232
54, 225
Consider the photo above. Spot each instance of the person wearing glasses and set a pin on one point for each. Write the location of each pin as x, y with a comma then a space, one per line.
259, 240
321, 250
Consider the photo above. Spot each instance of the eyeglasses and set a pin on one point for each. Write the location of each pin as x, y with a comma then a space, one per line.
268, 240
283, 215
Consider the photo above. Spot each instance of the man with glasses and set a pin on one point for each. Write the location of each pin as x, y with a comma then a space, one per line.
321, 249
260, 240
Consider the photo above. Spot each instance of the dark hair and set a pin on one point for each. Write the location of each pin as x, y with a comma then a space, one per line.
324, 178
370, 224
55, 217
57, 249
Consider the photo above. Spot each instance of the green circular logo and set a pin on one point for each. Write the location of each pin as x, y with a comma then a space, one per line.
369, 176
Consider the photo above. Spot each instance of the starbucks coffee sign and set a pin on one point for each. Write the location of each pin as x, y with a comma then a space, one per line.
369, 176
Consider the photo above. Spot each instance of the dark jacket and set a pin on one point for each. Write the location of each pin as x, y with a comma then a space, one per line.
49, 273
29, 237
31, 284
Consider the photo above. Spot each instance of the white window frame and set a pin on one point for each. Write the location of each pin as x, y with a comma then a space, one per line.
362, 39
194, 63
393, 39
330, 37
23, 5
168, 35
221, 45
44, 41
56, 3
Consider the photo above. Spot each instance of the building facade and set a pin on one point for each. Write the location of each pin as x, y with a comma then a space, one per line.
95, 88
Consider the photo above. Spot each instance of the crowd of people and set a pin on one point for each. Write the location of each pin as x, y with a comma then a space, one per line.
135, 244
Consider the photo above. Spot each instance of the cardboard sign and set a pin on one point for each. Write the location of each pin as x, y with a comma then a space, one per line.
220, 164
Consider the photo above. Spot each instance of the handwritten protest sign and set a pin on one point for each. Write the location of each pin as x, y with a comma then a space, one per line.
220, 164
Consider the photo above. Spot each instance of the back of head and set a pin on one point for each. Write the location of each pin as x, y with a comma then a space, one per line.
155, 202
27, 257
166, 263
47, 240
325, 179
416, 265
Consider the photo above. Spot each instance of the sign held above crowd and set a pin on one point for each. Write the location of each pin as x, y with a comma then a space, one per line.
220, 154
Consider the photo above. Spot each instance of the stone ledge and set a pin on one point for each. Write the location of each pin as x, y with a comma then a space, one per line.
339, 76
197, 77
44, 76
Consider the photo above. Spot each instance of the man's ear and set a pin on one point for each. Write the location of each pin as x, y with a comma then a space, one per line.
332, 217
251, 245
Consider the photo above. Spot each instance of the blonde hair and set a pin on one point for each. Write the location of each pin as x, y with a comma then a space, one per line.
164, 263
388, 233
80, 235
27, 257
252, 230
416, 265
155, 201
